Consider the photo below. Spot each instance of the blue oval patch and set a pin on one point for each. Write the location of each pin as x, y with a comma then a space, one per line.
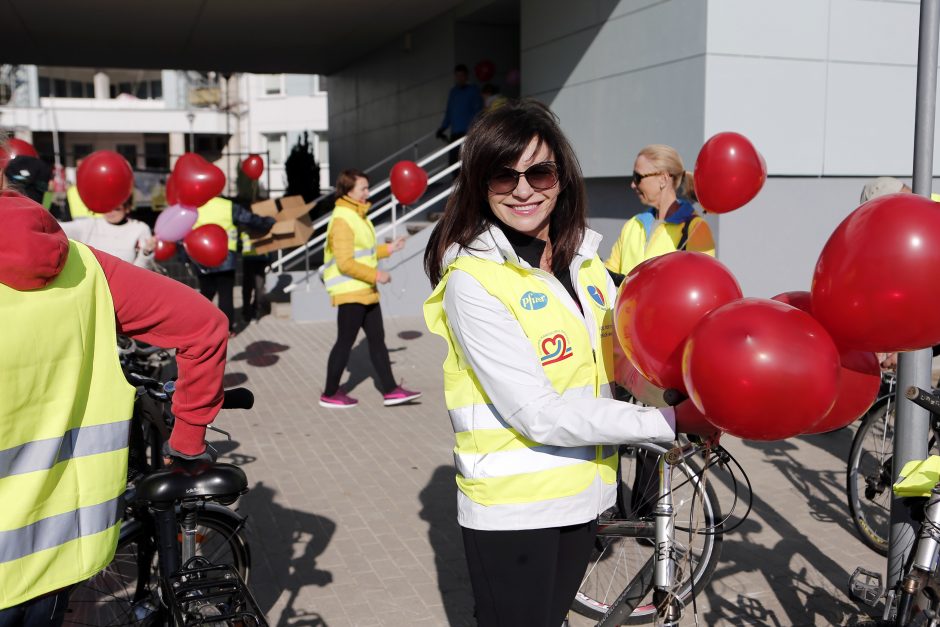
533, 300
596, 295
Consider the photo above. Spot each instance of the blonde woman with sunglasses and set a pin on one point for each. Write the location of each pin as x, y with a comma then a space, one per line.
671, 223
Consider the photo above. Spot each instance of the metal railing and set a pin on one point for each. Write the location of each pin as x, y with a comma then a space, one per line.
315, 244
391, 226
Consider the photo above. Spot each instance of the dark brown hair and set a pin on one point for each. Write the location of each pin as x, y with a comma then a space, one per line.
497, 139
347, 180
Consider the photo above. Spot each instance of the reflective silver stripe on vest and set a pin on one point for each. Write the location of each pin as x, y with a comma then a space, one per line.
522, 460
365, 252
473, 417
57, 530
78, 442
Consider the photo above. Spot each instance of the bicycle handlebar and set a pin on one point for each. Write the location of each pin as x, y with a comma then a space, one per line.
923, 398
238, 398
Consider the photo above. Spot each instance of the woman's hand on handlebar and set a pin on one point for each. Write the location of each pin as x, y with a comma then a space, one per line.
209, 455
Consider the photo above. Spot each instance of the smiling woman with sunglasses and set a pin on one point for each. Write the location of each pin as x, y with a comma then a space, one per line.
524, 304
671, 222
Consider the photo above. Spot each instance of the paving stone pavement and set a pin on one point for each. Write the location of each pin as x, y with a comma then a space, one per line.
352, 512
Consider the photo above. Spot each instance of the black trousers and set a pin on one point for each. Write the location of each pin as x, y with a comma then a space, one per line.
527, 578
44, 611
223, 284
253, 285
351, 317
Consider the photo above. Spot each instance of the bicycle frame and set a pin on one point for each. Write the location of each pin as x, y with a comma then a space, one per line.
664, 560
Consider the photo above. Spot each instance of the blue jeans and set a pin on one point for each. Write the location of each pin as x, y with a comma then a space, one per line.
45, 611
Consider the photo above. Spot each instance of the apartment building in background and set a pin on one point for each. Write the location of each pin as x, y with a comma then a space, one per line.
151, 117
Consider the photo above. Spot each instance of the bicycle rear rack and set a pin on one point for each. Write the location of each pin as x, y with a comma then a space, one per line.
205, 594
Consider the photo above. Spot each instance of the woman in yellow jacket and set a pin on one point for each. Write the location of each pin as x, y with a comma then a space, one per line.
660, 180
350, 272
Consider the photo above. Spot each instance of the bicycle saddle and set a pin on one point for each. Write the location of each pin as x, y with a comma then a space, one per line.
199, 480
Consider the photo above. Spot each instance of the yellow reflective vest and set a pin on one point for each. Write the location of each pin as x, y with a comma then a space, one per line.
64, 415
77, 207
496, 465
642, 238
219, 211
364, 246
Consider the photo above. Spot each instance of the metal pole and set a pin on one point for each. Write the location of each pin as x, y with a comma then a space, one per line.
912, 422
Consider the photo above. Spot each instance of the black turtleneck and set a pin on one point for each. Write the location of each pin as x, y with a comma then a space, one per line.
530, 250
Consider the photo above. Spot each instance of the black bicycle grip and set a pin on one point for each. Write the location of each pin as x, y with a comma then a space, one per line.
923, 398
238, 398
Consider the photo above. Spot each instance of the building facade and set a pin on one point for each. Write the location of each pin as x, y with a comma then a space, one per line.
825, 89
153, 116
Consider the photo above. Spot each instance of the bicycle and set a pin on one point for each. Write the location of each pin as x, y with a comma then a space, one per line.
181, 557
869, 468
915, 599
641, 569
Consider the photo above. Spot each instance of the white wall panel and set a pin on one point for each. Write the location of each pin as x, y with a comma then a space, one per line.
794, 29
778, 104
874, 32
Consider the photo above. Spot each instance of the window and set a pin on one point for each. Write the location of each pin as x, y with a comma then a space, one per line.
129, 152
80, 151
156, 89
58, 85
277, 146
272, 84
45, 87
157, 155
321, 83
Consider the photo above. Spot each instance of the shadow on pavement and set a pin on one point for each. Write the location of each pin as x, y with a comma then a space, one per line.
803, 577
285, 545
260, 354
439, 509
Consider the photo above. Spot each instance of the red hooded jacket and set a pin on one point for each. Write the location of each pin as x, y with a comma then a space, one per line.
147, 306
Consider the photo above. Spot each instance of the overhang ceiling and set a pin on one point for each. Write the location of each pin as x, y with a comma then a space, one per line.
302, 36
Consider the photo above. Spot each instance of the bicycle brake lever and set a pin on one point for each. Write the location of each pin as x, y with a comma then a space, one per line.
222, 431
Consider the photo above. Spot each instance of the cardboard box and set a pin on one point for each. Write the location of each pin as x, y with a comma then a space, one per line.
293, 226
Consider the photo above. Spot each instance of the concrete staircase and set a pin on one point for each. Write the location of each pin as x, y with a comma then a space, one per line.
403, 296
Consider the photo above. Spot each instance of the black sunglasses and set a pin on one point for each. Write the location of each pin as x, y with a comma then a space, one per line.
540, 177
637, 177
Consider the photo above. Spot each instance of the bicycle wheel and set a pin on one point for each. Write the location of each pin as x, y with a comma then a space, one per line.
622, 562
126, 592
868, 476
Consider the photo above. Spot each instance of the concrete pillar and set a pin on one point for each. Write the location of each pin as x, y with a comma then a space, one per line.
102, 86
177, 147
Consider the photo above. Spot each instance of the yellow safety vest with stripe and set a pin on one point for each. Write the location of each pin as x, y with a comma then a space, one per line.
496, 464
64, 417
219, 211
77, 207
364, 249
641, 239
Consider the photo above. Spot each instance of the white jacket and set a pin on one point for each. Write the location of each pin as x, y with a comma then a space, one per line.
507, 367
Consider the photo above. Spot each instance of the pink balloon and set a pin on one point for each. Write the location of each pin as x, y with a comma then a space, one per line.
174, 223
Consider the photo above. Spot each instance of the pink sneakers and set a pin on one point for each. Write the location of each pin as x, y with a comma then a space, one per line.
398, 396
340, 400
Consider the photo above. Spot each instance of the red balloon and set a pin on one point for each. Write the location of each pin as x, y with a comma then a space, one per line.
104, 180
875, 283
172, 194
660, 302
15, 148
761, 370
408, 181
628, 377
484, 70
690, 420
728, 173
207, 245
164, 250
253, 166
197, 180
859, 377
